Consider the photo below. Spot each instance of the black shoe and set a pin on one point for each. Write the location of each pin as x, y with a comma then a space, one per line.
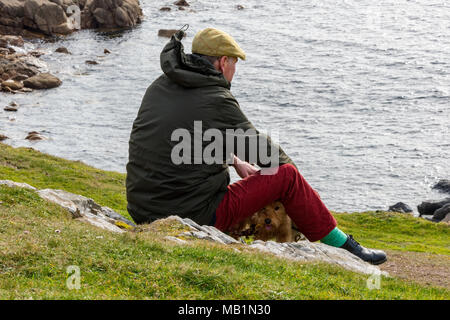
369, 255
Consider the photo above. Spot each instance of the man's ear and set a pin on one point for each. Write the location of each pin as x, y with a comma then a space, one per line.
222, 61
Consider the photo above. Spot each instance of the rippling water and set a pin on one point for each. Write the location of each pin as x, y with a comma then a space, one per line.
359, 91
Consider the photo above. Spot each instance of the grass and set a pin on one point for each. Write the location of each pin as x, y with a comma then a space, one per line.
45, 171
39, 240
396, 231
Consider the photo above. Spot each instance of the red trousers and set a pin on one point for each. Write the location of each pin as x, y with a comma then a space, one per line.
302, 203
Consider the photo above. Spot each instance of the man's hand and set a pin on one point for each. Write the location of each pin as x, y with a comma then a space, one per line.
243, 169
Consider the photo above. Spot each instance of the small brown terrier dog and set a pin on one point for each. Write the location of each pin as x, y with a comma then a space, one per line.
270, 222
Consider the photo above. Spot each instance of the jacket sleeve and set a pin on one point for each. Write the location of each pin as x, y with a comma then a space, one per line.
232, 117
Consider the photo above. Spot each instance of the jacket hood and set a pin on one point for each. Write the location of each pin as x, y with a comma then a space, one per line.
189, 70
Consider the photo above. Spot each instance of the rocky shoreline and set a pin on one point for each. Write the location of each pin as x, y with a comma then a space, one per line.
61, 17
21, 70
432, 210
21, 21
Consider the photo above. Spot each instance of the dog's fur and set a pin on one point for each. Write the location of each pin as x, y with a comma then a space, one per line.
270, 222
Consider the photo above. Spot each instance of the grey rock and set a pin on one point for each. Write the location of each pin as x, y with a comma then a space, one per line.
103, 16
202, 231
307, 251
13, 184
111, 14
16, 65
82, 208
428, 207
400, 207
11, 15
446, 219
175, 239
181, 3
6, 51
443, 185
12, 84
297, 251
86, 209
10, 40
441, 213
10, 109
110, 213
203, 236
42, 81
62, 50
35, 136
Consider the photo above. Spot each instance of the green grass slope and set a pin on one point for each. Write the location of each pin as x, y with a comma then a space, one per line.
39, 241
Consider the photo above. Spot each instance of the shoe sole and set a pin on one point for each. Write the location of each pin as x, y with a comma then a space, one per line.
379, 262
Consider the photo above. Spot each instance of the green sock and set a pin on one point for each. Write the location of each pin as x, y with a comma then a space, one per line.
335, 238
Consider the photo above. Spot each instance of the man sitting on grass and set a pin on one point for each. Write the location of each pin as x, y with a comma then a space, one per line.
195, 89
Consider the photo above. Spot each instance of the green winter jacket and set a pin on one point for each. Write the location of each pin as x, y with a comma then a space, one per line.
189, 90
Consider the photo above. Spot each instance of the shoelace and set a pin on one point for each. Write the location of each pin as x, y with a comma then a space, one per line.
353, 241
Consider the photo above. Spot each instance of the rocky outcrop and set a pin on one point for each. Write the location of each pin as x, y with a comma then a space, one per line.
14, 68
81, 208
62, 50
182, 231
35, 136
46, 16
9, 40
428, 207
42, 81
12, 84
65, 16
298, 251
10, 109
13, 64
13, 184
86, 209
443, 186
181, 3
111, 14
435, 211
400, 207
441, 214
21, 72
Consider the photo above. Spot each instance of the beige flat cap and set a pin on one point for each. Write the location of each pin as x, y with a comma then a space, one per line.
216, 43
